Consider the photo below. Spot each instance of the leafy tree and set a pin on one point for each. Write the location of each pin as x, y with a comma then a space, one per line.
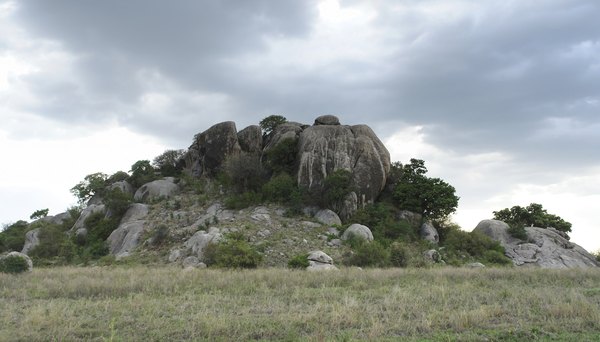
12, 238
38, 214
431, 197
282, 157
92, 184
167, 162
142, 172
532, 215
336, 187
117, 177
270, 123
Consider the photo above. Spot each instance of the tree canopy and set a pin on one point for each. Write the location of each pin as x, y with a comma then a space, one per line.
532, 215
413, 190
271, 122
92, 184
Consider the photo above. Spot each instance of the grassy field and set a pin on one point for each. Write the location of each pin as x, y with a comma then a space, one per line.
169, 304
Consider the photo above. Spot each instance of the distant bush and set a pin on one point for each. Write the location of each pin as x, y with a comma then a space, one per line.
243, 200
399, 255
117, 202
534, 214
463, 246
142, 172
167, 163
13, 264
270, 123
282, 189
92, 184
244, 173
38, 214
12, 238
299, 261
118, 176
367, 254
517, 230
233, 252
381, 218
160, 235
282, 157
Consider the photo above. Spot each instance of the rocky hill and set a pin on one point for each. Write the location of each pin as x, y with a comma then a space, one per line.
275, 199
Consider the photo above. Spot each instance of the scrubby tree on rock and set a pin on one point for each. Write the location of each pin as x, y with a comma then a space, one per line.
532, 215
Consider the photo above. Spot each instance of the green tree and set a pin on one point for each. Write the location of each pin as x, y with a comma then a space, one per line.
282, 157
38, 214
336, 187
431, 197
142, 172
532, 215
270, 123
92, 184
167, 163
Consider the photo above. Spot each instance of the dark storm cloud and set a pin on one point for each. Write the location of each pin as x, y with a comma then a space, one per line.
492, 77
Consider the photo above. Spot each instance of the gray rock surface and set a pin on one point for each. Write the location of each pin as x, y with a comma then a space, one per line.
475, 265
414, 219
250, 139
85, 213
432, 256
320, 261
200, 240
429, 233
211, 148
175, 255
545, 248
123, 240
324, 149
359, 231
124, 186
31, 240
328, 217
288, 130
56, 219
20, 255
193, 262
327, 120
161, 188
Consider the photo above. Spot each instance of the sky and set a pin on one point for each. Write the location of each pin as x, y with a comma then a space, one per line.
501, 98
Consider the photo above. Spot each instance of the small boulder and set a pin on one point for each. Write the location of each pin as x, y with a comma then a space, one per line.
190, 261
161, 188
429, 233
198, 242
359, 231
328, 217
319, 261
327, 120
475, 265
432, 256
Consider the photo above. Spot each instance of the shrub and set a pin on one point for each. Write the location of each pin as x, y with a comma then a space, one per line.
142, 172
270, 123
281, 188
367, 254
244, 172
117, 202
92, 184
160, 235
51, 239
381, 218
534, 214
282, 157
167, 163
473, 245
38, 214
299, 261
243, 200
13, 264
12, 238
517, 230
235, 252
117, 177
399, 255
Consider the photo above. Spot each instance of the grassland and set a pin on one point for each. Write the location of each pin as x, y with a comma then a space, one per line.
169, 304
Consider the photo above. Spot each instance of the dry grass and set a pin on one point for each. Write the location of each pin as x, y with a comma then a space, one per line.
167, 304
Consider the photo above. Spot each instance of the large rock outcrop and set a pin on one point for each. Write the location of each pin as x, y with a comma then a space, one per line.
126, 237
324, 149
32, 239
545, 248
250, 139
211, 148
161, 188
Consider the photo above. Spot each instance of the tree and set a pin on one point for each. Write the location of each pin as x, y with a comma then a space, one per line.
431, 197
166, 163
270, 123
142, 172
532, 215
92, 184
38, 214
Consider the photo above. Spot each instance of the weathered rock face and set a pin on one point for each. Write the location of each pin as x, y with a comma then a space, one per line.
319, 261
324, 149
156, 189
126, 237
288, 130
198, 242
545, 248
327, 120
124, 186
31, 240
413, 218
56, 219
358, 231
89, 210
429, 233
211, 148
250, 139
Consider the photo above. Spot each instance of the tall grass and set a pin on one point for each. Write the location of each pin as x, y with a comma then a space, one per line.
165, 304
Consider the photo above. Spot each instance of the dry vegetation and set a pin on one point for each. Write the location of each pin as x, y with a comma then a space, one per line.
166, 304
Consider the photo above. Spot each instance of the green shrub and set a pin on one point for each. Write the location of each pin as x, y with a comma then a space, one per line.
12, 238
367, 254
38, 214
13, 264
118, 176
243, 200
399, 255
299, 261
244, 173
517, 230
233, 252
51, 238
92, 184
381, 219
167, 163
281, 189
473, 246
142, 172
495, 257
117, 202
282, 157
270, 123
160, 235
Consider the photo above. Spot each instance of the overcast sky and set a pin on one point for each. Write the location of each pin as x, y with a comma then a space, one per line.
500, 98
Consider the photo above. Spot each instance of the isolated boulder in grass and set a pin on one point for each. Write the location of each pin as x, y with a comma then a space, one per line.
319, 261
359, 231
15, 262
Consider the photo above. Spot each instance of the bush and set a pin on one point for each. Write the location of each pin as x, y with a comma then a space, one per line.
234, 252
92, 184
270, 123
367, 254
399, 255
281, 188
160, 235
517, 230
13, 264
244, 173
12, 238
299, 261
117, 202
142, 172
282, 157
534, 214
473, 245
118, 176
243, 200
381, 218
38, 214
167, 163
